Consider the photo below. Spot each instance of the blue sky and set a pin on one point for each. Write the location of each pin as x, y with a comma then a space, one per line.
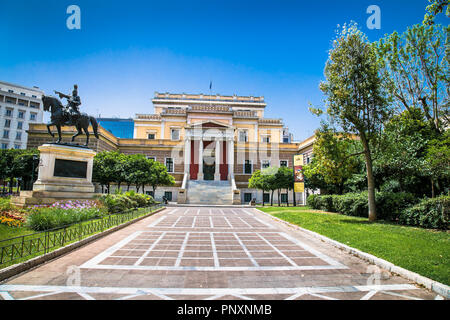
127, 50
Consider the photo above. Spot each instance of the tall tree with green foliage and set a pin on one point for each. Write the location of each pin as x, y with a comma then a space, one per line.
434, 8
416, 65
259, 181
158, 176
355, 97
284, 179
336, 158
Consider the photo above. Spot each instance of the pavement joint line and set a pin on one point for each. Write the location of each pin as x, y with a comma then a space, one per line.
246, 251
278, 251
214, 251
428, 283
139, 261
181, 253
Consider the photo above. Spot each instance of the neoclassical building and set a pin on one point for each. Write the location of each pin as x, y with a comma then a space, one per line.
211, 144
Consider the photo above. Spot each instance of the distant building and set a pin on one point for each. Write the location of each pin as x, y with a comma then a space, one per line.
287, 136
119, 127
19, 106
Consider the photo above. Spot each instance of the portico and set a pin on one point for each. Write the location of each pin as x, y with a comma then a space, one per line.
208, 151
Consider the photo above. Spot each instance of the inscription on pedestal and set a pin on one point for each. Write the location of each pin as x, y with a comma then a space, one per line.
70, 168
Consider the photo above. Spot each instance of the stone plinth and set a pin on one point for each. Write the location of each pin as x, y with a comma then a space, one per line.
65, 173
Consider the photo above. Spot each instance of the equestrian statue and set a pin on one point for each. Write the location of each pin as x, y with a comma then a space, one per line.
69, 115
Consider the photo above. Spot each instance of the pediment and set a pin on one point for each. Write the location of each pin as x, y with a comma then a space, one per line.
210, 124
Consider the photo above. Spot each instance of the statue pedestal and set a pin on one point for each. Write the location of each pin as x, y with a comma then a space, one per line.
65, 173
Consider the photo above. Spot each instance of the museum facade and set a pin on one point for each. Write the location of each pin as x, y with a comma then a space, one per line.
211, 144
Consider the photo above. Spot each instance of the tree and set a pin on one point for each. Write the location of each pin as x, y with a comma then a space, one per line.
108, 167
438, 160
436, 7
356, 99
268, 176
284, 180
158, 176
26, 165
336, 158
401, 151
257, 181
416, 66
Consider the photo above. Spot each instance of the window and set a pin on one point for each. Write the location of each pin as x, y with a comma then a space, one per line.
33, 116
19, 125
6, 134
168, 195
151, 158
21, 114
150, 193
169, 164
11, 91
285, 140
151, 136
243, 136
4, 146
175, 134
283, 163
7, 123
266, 197
18, 135
265, 164
10, 101
17, 146
8, 112
284, 198
34, 96
266, 139
248, 167
308, 159
247, 197
22, 94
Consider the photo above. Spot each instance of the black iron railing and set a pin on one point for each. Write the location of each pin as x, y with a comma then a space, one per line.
35, 244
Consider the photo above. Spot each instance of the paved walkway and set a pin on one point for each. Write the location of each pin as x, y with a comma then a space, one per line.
209, 253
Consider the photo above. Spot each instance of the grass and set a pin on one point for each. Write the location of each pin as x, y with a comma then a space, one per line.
424, 251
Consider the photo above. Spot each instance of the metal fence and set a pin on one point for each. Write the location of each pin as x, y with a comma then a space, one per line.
43, 242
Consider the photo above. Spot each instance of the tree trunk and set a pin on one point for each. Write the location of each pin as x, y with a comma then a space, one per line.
287, 197
128, 187
137, 187
271, 199
263, 198
278, 193
293, 197
143, 188
370, 179
432, 189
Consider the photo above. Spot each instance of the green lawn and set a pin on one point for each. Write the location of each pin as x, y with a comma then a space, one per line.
424, 251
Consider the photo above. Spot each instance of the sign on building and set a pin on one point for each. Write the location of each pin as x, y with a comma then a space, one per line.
299, 181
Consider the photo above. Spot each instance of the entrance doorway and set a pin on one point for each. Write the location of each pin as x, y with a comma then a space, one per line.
208, 171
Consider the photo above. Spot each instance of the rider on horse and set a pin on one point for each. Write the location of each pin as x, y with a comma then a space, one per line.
73, 103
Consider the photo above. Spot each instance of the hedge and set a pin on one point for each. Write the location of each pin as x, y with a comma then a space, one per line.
123, 201
402, 207
429, 213
389, 205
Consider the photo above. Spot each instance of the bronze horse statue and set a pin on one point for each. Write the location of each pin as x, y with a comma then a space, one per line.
60, 117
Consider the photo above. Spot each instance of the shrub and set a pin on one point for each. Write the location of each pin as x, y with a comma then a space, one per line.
389, 205
45, 218
429, 213
120, 202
